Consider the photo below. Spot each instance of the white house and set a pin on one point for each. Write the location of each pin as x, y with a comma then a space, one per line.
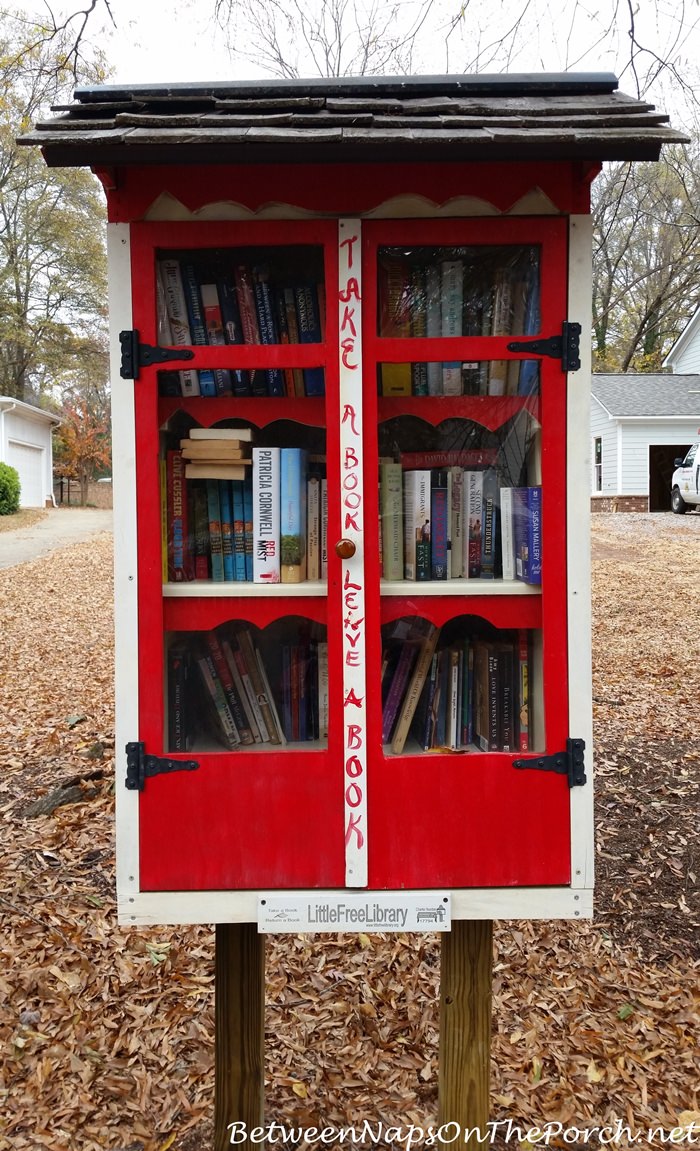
639, 425
25, 444
685, 353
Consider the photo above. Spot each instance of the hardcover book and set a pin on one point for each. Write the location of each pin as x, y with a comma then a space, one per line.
527, 530
266, 515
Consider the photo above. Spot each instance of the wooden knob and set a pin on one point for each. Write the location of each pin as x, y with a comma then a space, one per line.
345, 549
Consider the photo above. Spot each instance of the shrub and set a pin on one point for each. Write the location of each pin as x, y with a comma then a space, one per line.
9, 490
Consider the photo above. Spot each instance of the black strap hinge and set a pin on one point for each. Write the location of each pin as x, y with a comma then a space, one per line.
565, 347
140, 767
569, 763
136, 355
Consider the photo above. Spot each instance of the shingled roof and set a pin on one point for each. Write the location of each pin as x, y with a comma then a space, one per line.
563, 116
636, 396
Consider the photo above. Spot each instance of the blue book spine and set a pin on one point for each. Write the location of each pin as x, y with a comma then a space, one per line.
198, 331
534, 520
309, 323
226, 528
215, 538
248, 528
238, 531
267, 327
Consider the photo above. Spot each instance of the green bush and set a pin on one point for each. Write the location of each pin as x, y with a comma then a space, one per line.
9, 490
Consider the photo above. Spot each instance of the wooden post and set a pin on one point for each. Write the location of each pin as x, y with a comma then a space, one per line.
240, 1030
465, 1027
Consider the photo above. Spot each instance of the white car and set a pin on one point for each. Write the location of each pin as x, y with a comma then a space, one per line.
685, 482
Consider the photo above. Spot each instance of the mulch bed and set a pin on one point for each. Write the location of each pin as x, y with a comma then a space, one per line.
107, 1033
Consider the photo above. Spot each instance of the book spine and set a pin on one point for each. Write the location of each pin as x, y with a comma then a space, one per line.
457, 543
200, 513
397, 689
249, 323
473, 493
267, 327
452, 275
179, 734
313, 528
417, 525
324, 528
250, 721
293, 332
239, 572
251, 695
214, 324
226, 528
198, 331
233, 332
223, 671
438, 525
216, 542
391, 513
490, 527
261, 688
507, 724
395, 309
283, 335
221, 710
293, 476
534, 521
415, 689
248, 528
433, 323
310, 332
457, 457
523, 692
494, 688
507, 546
179, 559
266, 515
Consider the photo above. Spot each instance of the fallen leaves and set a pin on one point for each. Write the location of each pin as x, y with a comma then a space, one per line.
107, 1033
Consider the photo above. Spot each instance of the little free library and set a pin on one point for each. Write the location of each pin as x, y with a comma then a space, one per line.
350, 382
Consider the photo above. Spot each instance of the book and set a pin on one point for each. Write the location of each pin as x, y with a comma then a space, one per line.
293, 495
501, 325
324, 528
506, 738
408, 650
225, 726
176, 319
313, 527
522, 701
233, 665
266, 515
416, 502
490, 526
248, 527
395, 321
283, 336
473, 488
198, 331
451, 457
527, 533
310, 332
230, 690
507, 542
438, 524
258, 679
293, 334
179, 699
226, 510
322, 689
415, 687
418, 325
245, 297
220, 451
452, 289
433, 323
214, 326
267, 325
237, 500
216, 543
212, 470
457, 522
391, 519
241, 435
200, 515
179, 557
235, 655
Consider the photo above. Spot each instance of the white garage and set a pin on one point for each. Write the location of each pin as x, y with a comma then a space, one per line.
25, 444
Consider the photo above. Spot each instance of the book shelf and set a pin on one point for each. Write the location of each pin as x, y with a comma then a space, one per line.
368, 671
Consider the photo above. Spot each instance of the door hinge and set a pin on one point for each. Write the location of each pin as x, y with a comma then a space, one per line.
136, 355
140, 767
569, 763
565, 347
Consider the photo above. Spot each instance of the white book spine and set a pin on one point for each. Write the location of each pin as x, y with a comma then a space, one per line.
266, 515
507, 545
177, 319
324, 529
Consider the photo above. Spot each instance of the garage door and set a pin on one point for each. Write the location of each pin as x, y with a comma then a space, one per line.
29, 462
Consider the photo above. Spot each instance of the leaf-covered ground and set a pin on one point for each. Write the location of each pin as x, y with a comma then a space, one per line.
106, 1033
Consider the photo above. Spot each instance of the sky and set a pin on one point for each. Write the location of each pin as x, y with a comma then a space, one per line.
167, 41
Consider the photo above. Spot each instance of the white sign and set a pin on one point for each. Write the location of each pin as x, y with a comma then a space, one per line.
354, 911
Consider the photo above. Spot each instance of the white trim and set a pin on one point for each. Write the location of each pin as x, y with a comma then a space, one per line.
351, 433
125, 560
602, 405
578, 465
683, 340
190, 907
619, 447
